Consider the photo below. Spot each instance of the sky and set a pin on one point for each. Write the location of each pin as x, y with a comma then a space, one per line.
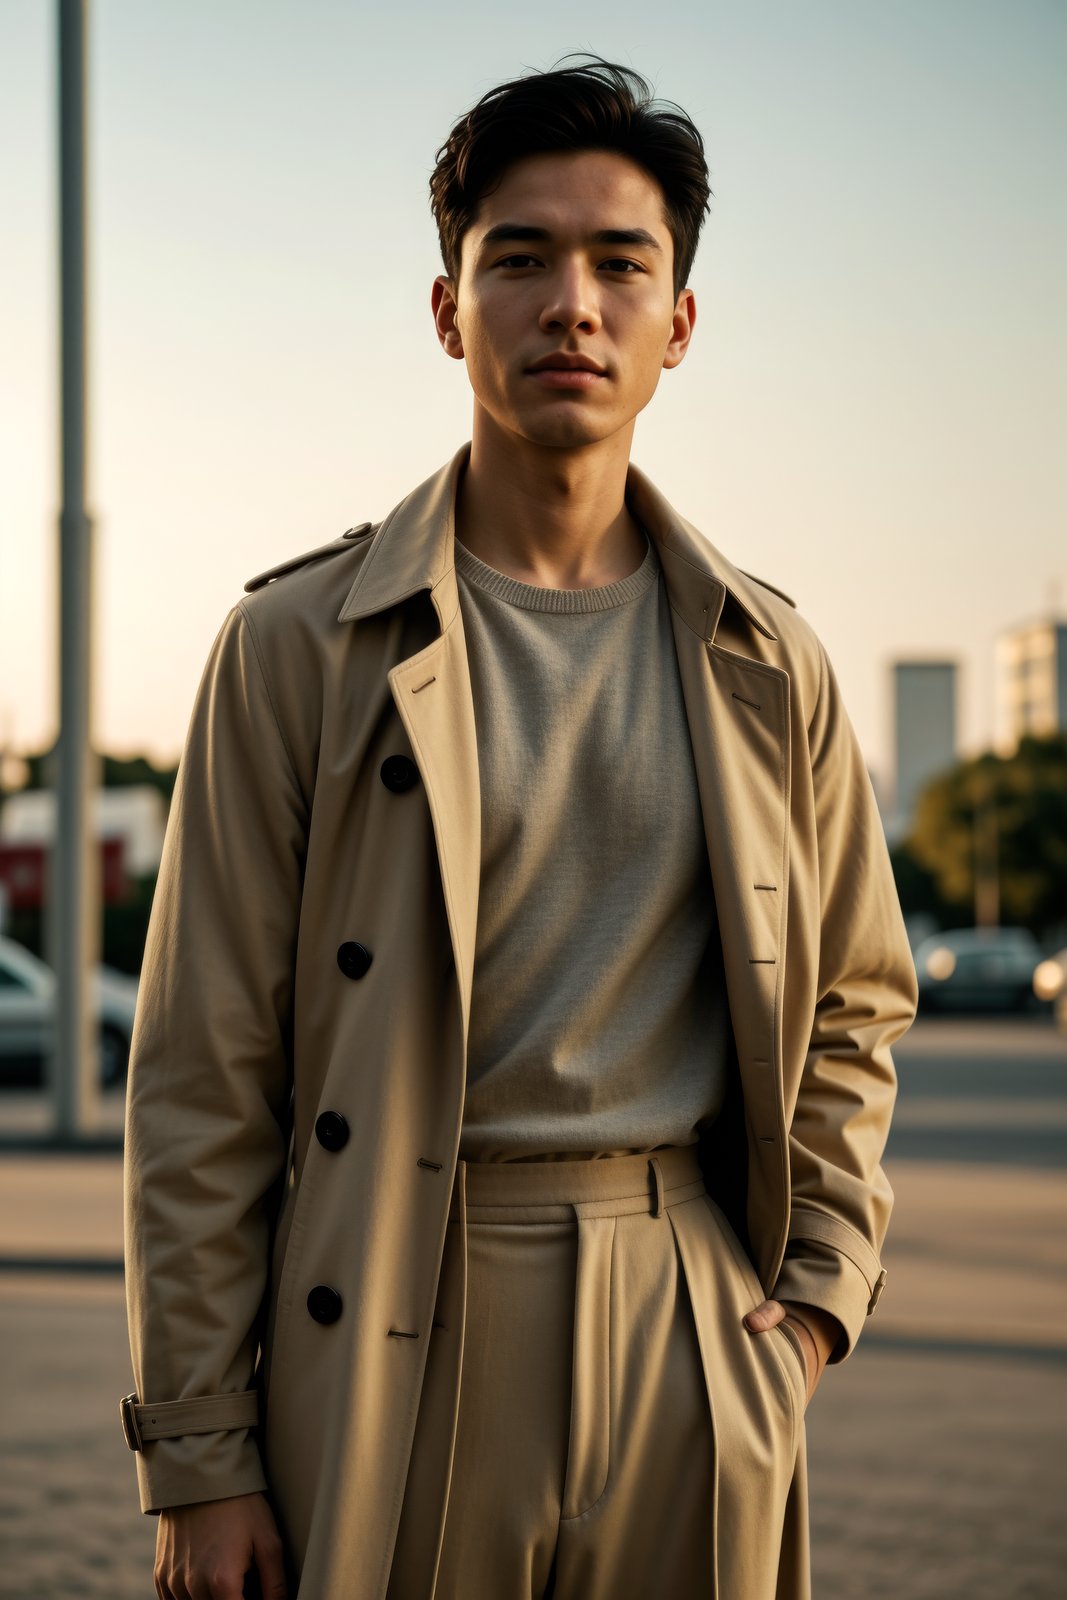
871, 414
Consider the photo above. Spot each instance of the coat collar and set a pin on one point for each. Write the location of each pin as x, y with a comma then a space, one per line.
414, 549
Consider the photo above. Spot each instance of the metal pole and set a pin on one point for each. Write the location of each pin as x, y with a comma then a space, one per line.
74, 891
986, 869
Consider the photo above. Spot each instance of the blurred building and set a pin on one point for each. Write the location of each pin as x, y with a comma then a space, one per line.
1031, 664
924, 734
135, 814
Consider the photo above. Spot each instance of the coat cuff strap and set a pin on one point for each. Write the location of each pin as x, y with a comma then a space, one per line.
807, 1224
215, 1413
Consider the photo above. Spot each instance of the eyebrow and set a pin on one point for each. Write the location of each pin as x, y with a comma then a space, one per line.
505, 231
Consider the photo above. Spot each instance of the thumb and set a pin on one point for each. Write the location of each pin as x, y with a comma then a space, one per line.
766, 1315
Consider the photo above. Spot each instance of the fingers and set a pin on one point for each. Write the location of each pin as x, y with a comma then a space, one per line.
202, 1583
225, 1579
768, 1314
229, 1549
271, 1564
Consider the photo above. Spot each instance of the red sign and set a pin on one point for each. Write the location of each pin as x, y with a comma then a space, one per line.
24, 873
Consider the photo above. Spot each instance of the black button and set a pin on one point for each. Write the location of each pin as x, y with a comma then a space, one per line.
324, 1303
354, 959
331, 1130
399, 773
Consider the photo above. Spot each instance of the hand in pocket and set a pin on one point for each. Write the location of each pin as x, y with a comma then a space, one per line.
815, 1336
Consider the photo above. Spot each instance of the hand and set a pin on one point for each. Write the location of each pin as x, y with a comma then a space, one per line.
817, 1330
204, 1550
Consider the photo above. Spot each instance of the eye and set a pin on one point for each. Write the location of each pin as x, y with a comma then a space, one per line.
518, 261
621, 264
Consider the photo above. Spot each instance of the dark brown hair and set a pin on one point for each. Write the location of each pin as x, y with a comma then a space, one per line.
594, 105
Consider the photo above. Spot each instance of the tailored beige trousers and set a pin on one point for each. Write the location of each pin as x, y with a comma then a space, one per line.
595, 1421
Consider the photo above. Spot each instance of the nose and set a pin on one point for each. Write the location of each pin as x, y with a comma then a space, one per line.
571, 302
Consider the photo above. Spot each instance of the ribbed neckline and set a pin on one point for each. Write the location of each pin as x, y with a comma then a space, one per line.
532, 597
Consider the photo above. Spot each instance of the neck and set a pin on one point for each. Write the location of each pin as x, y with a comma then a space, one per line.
549, 516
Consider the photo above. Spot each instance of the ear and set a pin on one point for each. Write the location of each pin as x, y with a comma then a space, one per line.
443, 305
682, 324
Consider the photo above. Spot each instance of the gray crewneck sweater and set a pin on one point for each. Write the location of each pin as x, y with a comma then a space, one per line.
599, 1016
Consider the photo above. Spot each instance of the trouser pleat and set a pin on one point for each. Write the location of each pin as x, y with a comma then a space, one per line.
588, 1454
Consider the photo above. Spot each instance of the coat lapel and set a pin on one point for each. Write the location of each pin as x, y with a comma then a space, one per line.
414, 550
737, 707
432, 693
738, 720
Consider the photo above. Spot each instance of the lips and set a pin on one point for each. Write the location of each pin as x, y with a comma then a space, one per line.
561, 361
560, 370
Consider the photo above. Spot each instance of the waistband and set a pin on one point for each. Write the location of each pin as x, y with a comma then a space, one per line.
603, 1186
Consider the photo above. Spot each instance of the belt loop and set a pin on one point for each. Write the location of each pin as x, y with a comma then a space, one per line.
658, 1175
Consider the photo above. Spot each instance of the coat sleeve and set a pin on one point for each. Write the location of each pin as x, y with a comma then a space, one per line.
867, 993
210, 1078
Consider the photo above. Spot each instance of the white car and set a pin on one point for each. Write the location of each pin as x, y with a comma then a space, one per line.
27, 1008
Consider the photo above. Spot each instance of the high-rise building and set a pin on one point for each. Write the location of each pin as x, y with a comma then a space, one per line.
924, 717
1031, 683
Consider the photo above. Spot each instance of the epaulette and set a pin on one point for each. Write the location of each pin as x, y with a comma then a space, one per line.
345, 542
788, 598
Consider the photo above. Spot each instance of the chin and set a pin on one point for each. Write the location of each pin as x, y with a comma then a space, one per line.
564, 432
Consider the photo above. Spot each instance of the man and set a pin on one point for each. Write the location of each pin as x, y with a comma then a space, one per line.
512, 1065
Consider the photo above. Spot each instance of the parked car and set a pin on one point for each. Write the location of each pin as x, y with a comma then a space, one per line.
978, 969
1050, 985
27, 1009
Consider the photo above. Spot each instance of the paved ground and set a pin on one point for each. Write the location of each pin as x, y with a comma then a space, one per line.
70, 1524
936, 1451
938, 1477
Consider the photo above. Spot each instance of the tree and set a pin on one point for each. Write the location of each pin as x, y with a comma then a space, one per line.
116, 772
1024, 799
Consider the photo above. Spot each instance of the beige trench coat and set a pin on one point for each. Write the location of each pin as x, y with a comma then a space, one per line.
285, 844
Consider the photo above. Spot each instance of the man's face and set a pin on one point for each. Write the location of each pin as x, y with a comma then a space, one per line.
569, 260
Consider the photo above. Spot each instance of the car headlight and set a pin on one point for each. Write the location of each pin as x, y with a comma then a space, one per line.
1049, 978
940, 963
